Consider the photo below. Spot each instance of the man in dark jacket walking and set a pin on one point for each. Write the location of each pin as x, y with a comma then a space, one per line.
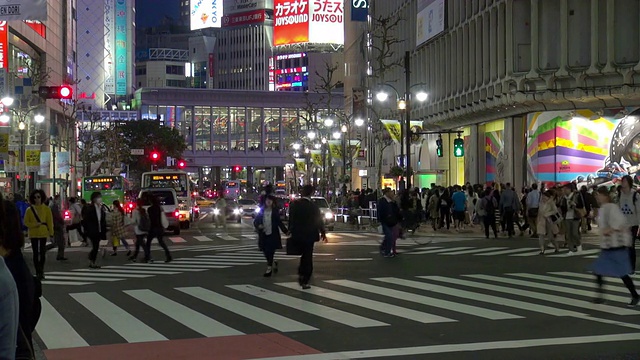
95, 226
306, 227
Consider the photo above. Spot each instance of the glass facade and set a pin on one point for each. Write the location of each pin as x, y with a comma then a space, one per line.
238, 122
220, 129
203, 128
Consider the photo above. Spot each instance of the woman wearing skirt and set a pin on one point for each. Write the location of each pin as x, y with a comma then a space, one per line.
615, 240
268, 224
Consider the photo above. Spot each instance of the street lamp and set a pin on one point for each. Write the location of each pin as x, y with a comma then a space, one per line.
38, 118
4, 119
336, 135
359, 122
382, 96
296, 146
21, 126
311, 135
328, 122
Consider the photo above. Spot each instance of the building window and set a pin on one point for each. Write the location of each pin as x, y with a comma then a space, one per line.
175, 70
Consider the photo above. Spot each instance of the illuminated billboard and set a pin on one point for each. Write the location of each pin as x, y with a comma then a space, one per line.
241, 6
430, 21
308, 21
205, 14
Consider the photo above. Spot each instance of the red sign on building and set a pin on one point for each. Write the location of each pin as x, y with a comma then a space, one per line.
38, 27
291, 22
211, 63
4, 45
246, 18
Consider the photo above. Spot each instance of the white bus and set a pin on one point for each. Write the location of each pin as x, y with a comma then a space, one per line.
231, 189
180, 182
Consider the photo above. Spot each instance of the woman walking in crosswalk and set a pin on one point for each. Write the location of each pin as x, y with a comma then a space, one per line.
547, 221
39, 221
158, 221
615, 240
118, 233
269, 224
141, 225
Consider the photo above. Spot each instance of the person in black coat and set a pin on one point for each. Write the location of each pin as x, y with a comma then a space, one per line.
95, 226
269, 224
29, 288
306, 227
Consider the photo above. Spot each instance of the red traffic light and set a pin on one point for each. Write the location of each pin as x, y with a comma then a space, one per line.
181, 164
236, 169
155, 156
65, 91
62, 92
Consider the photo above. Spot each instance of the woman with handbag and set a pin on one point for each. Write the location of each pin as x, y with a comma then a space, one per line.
547, 221
116, 222
615, 239
268, 224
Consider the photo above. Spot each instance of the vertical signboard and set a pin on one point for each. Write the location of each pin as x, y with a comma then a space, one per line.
430, 21
4, 45
109, 32
121, 47
326, 25
359, 10
291, 24
205, 14
272, 76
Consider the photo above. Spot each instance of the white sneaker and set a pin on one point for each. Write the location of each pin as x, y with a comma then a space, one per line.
579, 249
571, 253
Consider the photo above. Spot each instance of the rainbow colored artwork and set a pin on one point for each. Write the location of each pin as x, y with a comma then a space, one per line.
494, 143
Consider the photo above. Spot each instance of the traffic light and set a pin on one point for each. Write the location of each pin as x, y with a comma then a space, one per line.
154, 156
458, 147
439, 147
62, 92
237, 169
181, 164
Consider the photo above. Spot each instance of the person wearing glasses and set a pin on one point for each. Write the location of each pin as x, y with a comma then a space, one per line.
39, 222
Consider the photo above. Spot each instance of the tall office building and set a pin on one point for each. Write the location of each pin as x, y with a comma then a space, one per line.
106, 48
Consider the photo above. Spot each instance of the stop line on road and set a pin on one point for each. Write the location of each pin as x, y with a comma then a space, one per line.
495, 251
284, 307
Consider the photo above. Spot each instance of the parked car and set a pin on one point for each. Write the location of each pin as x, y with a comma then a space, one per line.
168, 201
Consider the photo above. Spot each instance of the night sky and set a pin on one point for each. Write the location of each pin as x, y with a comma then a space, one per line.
150, 12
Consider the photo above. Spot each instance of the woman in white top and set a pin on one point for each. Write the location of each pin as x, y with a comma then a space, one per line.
615, 240
140, 221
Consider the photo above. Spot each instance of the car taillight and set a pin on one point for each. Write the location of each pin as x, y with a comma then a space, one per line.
177, 214
67, 215
286, 204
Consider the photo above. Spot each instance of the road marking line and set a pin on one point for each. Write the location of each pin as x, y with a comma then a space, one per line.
551, 298
584, 252
425, 300
120, 321
533, 253
586, 276
227, 237
220, 263
56, 332
429, 248
350, 235
503, 252
474, 251
202, 238
254, 313
230, 259
182, 314
81, 277
589, 284
323, 311
97, 274
462, 348
183, 267
442, 250
379, 306
251, 236
162, 267
177, 239
465, 294
72, 283
129, 269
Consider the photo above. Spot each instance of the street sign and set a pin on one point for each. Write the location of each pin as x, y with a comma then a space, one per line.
137, 151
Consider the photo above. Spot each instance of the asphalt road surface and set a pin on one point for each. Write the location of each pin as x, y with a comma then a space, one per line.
443, 297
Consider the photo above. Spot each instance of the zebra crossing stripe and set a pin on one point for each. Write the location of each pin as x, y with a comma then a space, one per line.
97, 274
339, 316
504, 252
429, 248
162, 267
188, 317
227, 237
586, 276
82, 278
390, 309
202, 238
183, 267
589, 284
584, 252
120, 321
442, 250
72, 283
264, 317
424, 300
550, 298
219, 263
350, 235
533, 253
250, 236
473, 251
226, 258
177, 239
130, 270
522, 305
56, 332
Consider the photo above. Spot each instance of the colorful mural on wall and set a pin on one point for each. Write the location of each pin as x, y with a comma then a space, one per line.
494, 145
589, 148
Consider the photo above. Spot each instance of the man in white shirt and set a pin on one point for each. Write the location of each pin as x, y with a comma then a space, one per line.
533, 204
570, 204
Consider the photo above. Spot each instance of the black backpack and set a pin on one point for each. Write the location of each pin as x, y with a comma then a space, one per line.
145, 223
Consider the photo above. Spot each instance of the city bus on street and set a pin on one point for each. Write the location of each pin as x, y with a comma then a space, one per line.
181, 183
112, 187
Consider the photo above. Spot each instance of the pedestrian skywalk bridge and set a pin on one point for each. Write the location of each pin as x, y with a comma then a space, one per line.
497, 251
140, 315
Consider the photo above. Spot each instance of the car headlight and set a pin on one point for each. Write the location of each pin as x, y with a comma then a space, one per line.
237, 211
258, 210
216, 211
328, 215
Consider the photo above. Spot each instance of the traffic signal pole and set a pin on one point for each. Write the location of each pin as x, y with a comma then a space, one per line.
407, 112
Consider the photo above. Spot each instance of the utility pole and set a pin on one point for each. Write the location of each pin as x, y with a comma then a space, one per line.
407, 114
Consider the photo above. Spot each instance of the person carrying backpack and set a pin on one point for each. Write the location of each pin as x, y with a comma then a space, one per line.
142, 225
488, 206
630, 207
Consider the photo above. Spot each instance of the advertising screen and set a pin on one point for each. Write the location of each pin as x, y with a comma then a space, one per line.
326, 25
251, 17
241, 6
291, 24
205, 14
431, 20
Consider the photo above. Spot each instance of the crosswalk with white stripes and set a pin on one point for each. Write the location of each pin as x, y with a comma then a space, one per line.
497, 251
224, 257
141, 315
